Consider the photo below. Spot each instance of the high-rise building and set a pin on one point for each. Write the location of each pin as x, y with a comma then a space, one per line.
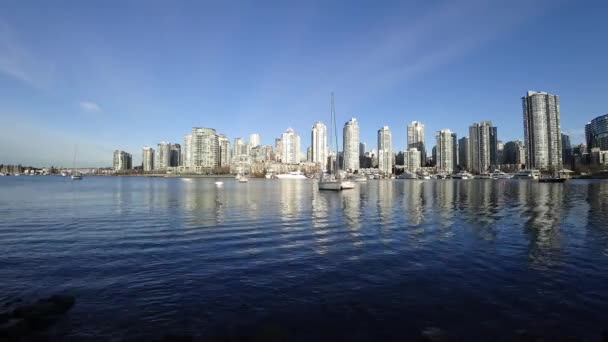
205, 148
464, 156
175, 157
278, 149
224, 150
122, 161
309, 154
318, 141
494, 146
262, 153
187, 151
415, 138
411, 159
254, 140
454, 150
162, 159
290, 147
542, 131
482, 139
239, 147
362, 148
566, 150
500, 150
513, 153
148, 158
596, 133
351, 145
444, 151
385, 151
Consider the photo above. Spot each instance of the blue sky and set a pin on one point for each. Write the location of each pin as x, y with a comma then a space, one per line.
109, 75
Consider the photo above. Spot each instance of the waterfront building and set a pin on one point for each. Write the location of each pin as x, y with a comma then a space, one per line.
175, 156
163, 156
278, 148
482, 142
566, 150
542, 131
494, 146
239, 147
362, 148
454, 150
464, 157
290, 147
499, 152
262, 153
514, 153
415, 139
254, 140
444, 150
187, 151
318, 141
596, 133
385, 151
351, 145
411, 159
148, 158
122, 161
205, 148
224, 150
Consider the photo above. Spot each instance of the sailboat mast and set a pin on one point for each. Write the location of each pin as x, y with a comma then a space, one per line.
335, 127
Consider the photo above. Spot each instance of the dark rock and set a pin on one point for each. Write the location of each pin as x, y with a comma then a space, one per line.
45, 311
13, 328
434, 334
4, 316
527, 336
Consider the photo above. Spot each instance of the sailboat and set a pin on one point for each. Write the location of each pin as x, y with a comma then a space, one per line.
241, 176
333, 180
75, 174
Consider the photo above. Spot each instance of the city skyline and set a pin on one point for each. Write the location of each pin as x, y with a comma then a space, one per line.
71, 82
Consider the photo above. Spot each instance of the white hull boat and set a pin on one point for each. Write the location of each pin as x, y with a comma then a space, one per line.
292, 175
336, 185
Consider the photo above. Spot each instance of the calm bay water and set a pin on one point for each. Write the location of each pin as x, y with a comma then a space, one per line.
152, 256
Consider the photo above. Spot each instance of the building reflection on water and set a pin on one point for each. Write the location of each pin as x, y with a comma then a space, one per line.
420, 211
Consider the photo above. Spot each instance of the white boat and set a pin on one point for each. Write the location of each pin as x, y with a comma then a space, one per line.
292, 175
358, 178
527, 174
219, 183
483, 176
335, 184
76, 176
238, 176
268, 176
335, 180
497, 174
243, 179
407, 175
462, 175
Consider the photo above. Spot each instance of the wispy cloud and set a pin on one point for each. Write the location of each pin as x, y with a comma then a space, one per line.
17, 62
90, 107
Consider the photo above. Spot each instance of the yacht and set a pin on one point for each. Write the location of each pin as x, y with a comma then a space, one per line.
462, 175
527, 174
292, 175
497, 174
335, 180
483, 176
359, 178
407, 175
76, 176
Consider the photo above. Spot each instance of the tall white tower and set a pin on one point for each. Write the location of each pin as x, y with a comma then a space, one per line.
351, 145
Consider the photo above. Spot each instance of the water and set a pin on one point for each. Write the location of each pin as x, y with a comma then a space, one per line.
152, 256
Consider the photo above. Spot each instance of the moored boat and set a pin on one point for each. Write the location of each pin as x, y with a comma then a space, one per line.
462, 175
292, 175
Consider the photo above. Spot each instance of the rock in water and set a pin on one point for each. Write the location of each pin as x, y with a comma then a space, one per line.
45, 311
